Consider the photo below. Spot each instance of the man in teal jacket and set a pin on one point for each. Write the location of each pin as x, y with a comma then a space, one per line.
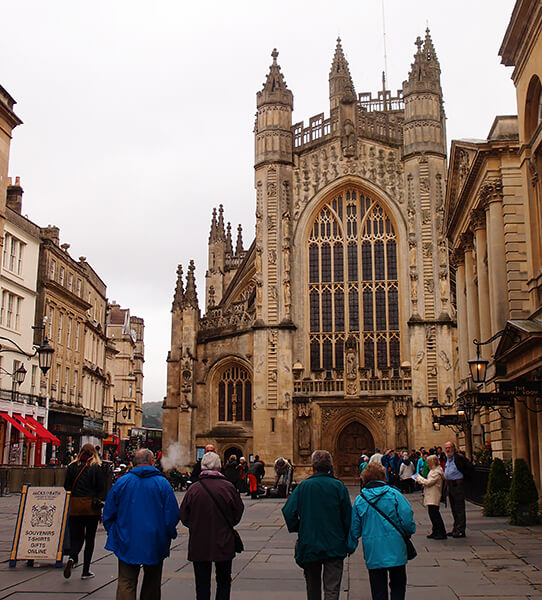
319, 510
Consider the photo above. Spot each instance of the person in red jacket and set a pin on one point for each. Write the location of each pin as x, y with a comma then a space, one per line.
210, 509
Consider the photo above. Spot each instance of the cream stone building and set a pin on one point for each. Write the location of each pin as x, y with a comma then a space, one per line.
335, 328
125, 366
72, 298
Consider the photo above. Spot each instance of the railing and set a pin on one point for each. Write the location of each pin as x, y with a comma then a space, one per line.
384, 102
476, 485
13, 396
318, 129
388, 381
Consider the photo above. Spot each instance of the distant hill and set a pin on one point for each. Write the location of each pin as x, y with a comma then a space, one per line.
152, 414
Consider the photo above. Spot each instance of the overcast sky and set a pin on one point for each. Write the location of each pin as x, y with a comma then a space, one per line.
138, 116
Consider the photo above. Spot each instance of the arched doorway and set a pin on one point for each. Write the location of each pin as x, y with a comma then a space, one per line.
232, 450
353, 441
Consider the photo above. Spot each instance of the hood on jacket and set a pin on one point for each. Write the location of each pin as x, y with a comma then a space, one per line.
211, 474
144, 471
375, 490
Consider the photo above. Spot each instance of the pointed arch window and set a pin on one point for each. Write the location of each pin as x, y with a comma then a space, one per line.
235, 394
353, 286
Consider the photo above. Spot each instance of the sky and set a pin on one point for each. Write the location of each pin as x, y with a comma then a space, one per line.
138, 116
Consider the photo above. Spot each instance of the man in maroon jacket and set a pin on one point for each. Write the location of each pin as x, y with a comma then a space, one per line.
211, 536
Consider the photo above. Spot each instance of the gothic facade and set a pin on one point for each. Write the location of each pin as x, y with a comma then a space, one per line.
335, 328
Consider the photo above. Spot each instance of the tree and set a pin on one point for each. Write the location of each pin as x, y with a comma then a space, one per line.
498, 487
523, 504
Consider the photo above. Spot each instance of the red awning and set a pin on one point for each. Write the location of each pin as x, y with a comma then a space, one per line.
111, 440
38, 429
18, 426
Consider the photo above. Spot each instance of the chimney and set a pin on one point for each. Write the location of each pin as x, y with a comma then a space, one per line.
51, 232
14, 199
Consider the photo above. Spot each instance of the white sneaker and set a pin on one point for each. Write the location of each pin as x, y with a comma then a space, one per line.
88, 575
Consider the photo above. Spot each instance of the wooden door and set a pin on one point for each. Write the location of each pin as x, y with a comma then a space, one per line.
354, 440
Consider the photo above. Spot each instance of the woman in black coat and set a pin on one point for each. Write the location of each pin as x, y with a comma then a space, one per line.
85, 480
231, 470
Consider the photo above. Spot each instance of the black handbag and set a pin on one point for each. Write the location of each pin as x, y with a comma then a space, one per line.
411, 551
239, 546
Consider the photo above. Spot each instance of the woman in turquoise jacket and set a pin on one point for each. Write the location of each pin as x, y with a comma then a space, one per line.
383, 546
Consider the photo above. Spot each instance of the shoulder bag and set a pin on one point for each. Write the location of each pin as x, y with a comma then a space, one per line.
239, 546
411, 551
84, 506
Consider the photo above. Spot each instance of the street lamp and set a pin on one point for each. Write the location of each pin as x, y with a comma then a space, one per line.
45, 353
478, 365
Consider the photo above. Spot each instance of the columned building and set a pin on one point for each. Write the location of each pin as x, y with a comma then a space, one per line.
487, 230
334, 328
520, 349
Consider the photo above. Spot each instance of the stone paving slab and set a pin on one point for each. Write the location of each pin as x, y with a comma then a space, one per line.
495, 561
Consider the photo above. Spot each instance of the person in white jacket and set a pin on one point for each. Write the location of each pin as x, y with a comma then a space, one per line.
432, 492
406, 470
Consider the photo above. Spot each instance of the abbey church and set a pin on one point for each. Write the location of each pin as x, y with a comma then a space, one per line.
334, 329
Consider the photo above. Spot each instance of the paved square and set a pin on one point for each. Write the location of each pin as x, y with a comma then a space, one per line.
495, 561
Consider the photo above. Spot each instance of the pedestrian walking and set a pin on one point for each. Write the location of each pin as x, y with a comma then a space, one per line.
457, 469
384, 546
432, 494
86, 482
210, 509
319, 510
231, 470
140, 517
194, 476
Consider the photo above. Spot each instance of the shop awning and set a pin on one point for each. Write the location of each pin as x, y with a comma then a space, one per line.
18, 426
38, 429
111, 440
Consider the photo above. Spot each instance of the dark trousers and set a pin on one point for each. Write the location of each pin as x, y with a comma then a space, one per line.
83, 531
202, 571
127, 583
456, 492
378, 578
436, 521
332, 575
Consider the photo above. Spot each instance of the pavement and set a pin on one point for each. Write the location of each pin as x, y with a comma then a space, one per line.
495, 561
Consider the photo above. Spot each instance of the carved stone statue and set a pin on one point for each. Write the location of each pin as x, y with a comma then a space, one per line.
304, 436
348, 139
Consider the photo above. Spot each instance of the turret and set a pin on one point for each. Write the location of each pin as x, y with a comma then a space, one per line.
275, 103
341, 86
218, 245
424, 129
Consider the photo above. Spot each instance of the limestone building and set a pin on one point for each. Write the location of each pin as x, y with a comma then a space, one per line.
125, 364
72, 298
334, 329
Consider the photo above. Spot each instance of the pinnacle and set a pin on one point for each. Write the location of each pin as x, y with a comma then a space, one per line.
339, 64
275, 88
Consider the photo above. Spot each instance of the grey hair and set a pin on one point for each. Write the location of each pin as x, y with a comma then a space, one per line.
321, 461
143, 457
211, 462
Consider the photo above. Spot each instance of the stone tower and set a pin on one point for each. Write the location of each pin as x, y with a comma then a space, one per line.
273, 246
424, 159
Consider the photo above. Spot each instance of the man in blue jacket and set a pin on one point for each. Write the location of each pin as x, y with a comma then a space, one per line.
140, 517
319, 510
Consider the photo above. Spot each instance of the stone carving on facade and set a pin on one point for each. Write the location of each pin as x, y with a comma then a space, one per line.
427, 249
351, 366
304, 409
419, 359
533, 171
212, 294
348, 139
285, 402
429, 286
445, 360
400, 406
491, 190
443, 280
236, 315
478, 218
304, 436
430, 332
463, 165
377, 413
443, 253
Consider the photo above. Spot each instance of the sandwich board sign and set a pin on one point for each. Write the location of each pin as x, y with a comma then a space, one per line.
41, 524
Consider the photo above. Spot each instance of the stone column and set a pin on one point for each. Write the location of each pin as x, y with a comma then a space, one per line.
458, 259
534, 442
521, 433
478, 221
498, 297
473, 323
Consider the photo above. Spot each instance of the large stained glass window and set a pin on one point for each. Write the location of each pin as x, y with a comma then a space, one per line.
235, 394
353, 288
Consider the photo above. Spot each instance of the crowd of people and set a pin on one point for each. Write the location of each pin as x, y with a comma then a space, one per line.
142, 505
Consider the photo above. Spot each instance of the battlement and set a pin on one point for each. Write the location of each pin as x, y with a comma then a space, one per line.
384, 102
318, 129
